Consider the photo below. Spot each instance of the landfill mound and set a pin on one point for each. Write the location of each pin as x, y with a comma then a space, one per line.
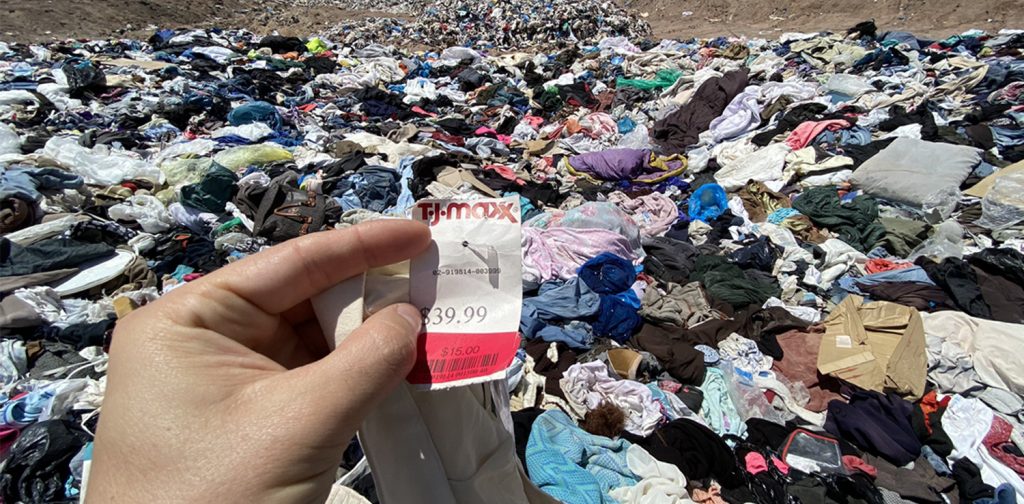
783, 269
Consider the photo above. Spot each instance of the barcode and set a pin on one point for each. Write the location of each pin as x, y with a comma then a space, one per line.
440, 366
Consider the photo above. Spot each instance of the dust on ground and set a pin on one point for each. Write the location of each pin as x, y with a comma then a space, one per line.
42, 20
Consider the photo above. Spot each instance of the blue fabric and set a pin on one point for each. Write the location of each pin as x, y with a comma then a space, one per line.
913, 274
25, 183
718, 410
257, 111
782, 214
573, 465
576, 334
617, 317
557, 301
1007, 137
661, 398
1004, 495
25, 410
708, 202
608, 273
514, 373
374, 188
570, 300
936, 461
626, 125
405, 198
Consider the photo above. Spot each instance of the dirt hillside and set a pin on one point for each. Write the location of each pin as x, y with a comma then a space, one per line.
40, 20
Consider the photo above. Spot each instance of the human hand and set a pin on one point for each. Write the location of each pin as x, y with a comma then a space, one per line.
224, 391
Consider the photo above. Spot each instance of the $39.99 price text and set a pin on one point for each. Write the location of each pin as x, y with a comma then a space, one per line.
440, 315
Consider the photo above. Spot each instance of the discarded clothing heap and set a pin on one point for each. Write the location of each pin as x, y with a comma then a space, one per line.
768, 271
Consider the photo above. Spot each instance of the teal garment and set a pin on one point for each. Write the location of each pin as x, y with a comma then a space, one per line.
727, 283
718, 410
213, 192
572, 465
662, 79
856, 222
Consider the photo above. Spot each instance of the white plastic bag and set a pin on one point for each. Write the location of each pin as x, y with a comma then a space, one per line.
1003, 206
148, 211
100, 165
10, 142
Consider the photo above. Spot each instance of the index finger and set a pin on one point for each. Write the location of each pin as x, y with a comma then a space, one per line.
287, 274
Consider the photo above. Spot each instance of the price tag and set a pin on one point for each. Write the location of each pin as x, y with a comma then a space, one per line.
469, 289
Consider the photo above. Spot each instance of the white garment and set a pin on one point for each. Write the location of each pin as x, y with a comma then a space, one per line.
839, 258
761, 165
743, 114
587, 385
252, 132
967, 422
805, 313
952, 355
995, 347
744, 354
195, 220
660, 482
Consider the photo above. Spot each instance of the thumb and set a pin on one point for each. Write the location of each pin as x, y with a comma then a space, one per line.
350, 381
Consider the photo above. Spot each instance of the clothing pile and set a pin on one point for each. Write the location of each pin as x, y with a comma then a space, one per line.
768, 271
487, 25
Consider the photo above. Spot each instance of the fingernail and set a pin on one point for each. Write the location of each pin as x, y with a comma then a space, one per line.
410, 313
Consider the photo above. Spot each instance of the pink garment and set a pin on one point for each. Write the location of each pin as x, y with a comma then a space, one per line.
533, 121
559, 252
807, 131
999, 436
670, 386
756, 464
505, 172
780, 465
711, 495
855, 464
419, 110
655, 213
599, 124
8, 435
484, 130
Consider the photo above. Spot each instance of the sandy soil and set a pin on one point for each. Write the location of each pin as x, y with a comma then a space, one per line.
931, 18
40, 20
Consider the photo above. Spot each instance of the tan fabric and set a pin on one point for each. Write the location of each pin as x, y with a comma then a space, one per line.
625, 362
982, 188
877, 346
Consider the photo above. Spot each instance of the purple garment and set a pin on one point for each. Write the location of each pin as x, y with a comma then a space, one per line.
558, 253
621, 164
